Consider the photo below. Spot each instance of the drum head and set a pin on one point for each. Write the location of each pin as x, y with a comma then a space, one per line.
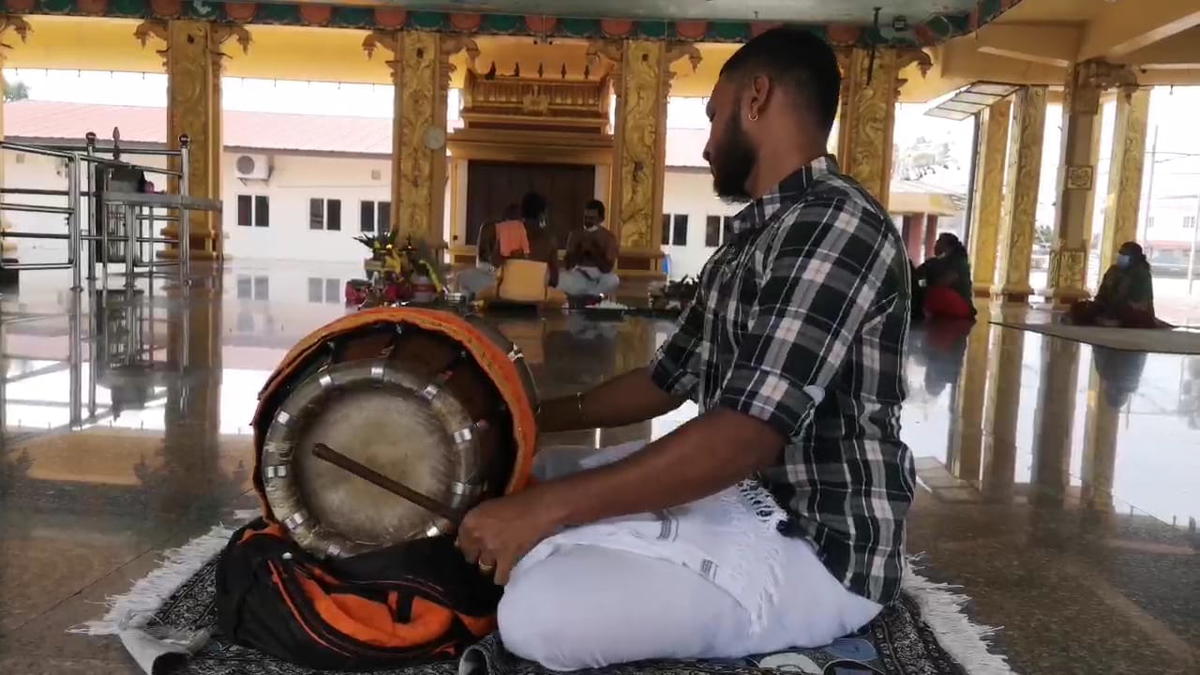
405, 428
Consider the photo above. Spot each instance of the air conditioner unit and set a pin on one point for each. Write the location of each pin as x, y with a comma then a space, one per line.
252, 167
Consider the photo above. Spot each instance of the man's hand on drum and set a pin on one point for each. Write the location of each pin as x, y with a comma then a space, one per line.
496, 534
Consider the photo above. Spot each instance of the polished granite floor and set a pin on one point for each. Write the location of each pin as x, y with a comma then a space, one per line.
1060, 483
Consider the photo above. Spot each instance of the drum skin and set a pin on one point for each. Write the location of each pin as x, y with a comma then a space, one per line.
442, 403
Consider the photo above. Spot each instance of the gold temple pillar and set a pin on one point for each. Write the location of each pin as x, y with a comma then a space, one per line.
194, 62
1067, 279
1001, 411
641, 72
1019, 209
8, 247
642, 82
1125, 172
192, 99
1053, 421
989, 193
421, 71
967, 423
868, 116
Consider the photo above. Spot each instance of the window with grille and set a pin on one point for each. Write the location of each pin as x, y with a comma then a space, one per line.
716, 230
324, 214
253, 288
374, 217
253, 210
326, 291
675, 229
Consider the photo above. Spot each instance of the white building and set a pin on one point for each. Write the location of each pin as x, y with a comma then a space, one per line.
300, 187
278, 172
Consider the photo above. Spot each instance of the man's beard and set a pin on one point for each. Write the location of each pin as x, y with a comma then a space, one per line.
733, 162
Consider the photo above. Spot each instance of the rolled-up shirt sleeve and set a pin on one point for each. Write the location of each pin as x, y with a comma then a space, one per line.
676, 366
822, 279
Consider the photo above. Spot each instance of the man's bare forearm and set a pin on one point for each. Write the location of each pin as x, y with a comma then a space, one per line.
704, 456
625, 399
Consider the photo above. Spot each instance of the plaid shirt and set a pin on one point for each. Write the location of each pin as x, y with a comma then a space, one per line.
800, 321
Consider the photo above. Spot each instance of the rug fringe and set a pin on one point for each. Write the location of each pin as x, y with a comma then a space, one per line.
135, 607
966, 641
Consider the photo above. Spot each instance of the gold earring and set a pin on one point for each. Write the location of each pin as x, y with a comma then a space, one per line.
753, 117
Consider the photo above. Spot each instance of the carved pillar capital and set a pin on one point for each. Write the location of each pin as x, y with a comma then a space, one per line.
1105, 75
1088, 79
453, 44
907, 56
153, 29
868, 114
676, 51
221, 33
387, 39
16, 24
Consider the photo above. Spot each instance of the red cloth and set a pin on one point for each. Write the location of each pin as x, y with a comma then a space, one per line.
512, 238
942, 302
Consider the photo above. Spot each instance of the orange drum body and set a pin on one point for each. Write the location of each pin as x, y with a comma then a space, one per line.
440, 403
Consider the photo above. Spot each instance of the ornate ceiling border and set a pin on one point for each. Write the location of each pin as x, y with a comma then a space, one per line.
932, 31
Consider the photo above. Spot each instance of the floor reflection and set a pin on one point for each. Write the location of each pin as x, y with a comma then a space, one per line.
1049, 468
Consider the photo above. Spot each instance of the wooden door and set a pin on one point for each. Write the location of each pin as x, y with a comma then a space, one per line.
492, 186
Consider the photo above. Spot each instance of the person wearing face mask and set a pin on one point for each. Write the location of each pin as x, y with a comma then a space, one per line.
1126, 295
947, 280
591, 256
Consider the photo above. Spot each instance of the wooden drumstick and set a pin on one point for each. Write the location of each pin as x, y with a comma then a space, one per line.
322, 451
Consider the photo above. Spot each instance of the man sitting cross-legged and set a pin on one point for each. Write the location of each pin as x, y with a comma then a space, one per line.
775, 519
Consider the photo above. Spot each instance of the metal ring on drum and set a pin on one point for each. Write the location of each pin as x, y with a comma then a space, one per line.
409, 428
376, 423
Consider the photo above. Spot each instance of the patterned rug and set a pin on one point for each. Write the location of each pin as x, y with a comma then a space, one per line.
1161, 341
899, 642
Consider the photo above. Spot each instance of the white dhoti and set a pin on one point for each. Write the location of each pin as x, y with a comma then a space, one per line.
583, 280
711, 579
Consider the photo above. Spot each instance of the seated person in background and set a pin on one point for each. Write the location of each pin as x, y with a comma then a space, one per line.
947, 280
591, 256
483, 275
1126, 295
519, 244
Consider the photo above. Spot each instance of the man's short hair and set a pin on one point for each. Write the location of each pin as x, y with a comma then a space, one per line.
533, 205
795, 58
595, 205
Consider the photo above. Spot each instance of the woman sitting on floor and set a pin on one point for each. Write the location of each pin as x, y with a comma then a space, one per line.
1126, 295
946, 280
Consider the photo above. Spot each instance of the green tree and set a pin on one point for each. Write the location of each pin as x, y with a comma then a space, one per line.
16, 91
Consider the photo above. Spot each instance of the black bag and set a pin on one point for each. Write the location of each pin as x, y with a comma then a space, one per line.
400, 605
